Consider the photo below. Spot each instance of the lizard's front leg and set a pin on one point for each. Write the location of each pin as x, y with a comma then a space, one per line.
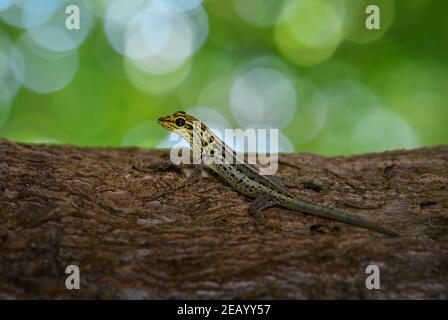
195, 174
166, 166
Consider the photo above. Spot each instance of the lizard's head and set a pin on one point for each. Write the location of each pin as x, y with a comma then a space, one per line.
181, 123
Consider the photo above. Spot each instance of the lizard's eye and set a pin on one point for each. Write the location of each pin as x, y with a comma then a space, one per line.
180, 122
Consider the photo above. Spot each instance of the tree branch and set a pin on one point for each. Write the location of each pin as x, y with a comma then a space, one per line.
64, 205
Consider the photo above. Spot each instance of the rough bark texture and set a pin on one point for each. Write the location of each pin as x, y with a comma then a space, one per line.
63, 205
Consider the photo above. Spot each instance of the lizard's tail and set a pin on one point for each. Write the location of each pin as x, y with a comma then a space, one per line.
324, 212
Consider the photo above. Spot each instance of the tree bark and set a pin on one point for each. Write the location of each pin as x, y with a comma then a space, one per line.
131, 238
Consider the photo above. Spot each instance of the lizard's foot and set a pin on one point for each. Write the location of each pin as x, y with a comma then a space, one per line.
195, 175
257, 215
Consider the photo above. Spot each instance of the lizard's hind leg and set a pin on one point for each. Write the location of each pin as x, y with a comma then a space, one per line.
262, 202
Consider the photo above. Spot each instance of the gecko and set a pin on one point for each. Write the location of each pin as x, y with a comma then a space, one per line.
245, 178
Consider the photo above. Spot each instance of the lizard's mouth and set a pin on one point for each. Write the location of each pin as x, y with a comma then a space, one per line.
164, 122
161, 120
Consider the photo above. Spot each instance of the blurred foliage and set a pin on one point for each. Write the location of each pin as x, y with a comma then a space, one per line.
307, 67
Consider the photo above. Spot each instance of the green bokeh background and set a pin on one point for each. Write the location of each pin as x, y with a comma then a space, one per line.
375, 90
